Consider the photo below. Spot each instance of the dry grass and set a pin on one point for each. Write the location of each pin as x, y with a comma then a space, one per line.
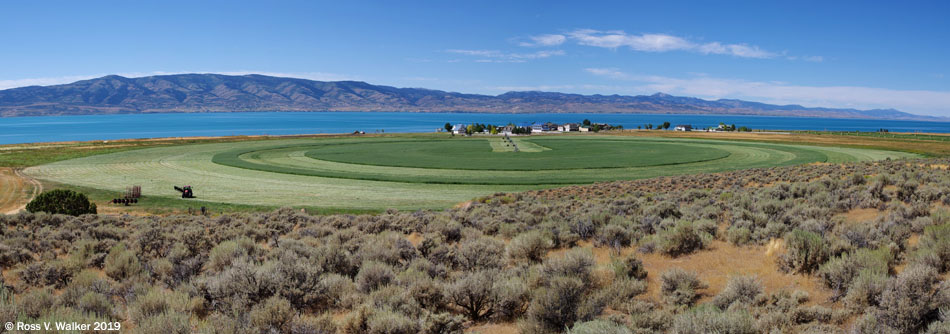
499, 328
921, 146
15, 190
415, 239
856, 216
716, 265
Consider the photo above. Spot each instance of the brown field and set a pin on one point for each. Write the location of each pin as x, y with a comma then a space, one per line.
920, 146
16, 190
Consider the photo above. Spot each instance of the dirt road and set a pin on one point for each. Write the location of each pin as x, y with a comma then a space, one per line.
16, 190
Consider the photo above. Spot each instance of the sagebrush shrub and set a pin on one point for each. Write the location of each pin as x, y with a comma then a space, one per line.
121, 263
164, 323
374, 275
37, 302
682, 238
709, 320
475, 294
614, 236
599, 327
274, 315
557, 305
305, 324
629, 267
936, 241
156, 302
223, 254
513, 298
425, 291
391, 322
443, 323
907, 299
742, 290
839, 273
481, 253
529, 246
574, 263
679, 287
804, 252
95, 303
625, 290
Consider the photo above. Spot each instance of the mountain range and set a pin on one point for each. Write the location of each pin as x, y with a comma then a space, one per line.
227, 93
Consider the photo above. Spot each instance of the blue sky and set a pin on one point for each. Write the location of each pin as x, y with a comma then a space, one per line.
861, 54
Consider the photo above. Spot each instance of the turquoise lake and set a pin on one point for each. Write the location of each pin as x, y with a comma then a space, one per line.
15, 130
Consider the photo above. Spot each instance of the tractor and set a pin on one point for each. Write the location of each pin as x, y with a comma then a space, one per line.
185, 191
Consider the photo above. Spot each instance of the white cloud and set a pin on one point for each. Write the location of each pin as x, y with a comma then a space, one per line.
645, 42
738, 50
480, 53
613, 39
7, 84
914, 101
495, 56
814, 59
47, 81
608, 72
545, 40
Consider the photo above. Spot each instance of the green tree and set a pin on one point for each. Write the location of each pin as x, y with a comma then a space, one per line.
470, 129
448, 127
586, 122
62, 201
666, 125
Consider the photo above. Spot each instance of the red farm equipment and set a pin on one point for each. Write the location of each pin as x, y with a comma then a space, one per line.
185, 191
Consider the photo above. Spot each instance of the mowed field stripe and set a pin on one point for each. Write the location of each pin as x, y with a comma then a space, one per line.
158, 169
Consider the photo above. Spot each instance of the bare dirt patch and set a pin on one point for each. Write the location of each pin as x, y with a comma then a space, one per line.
715, 266
500, 328
415, 239
722, 261
856, 216
16, 190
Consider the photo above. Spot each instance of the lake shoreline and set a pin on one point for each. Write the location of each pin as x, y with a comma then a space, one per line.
60, 129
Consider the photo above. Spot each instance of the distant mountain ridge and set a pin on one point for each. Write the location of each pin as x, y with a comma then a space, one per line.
226, 93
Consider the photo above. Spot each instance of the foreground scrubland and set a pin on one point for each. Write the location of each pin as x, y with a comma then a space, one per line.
823, 248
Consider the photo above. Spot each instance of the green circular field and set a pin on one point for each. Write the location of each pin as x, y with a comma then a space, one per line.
554, 154
409, 172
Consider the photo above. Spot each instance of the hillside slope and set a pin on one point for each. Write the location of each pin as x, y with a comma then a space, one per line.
224, 93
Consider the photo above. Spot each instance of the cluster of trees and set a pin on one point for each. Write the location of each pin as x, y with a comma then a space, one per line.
726, 127
62, 201
597, 127
650, 126
520, 130
519, 258
476, 128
